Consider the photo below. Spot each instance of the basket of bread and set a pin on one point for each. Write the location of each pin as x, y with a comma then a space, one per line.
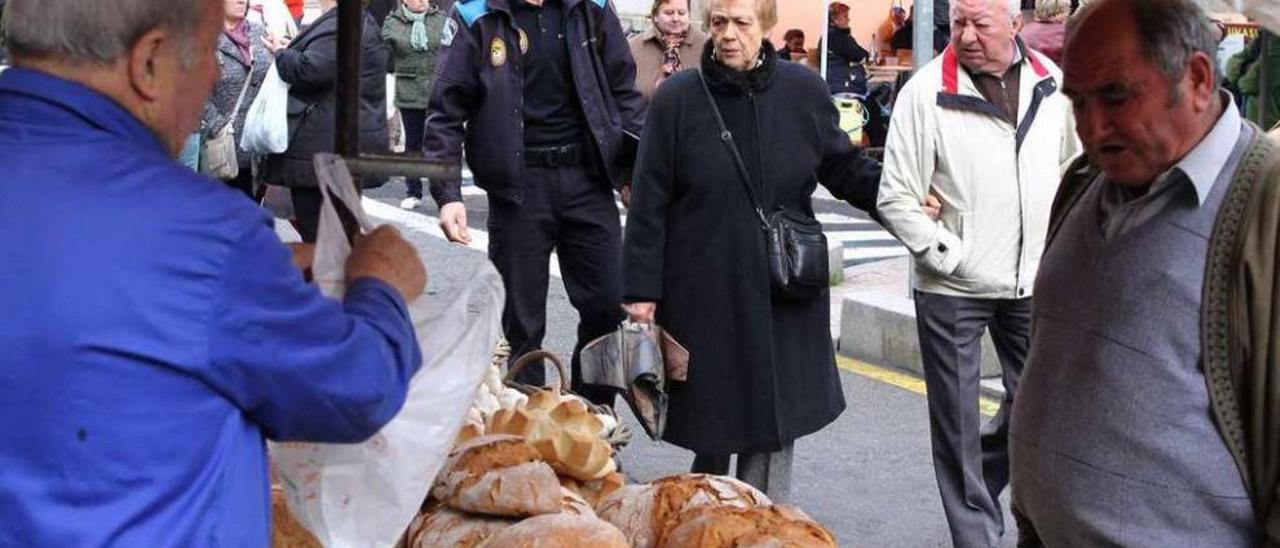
617, 434
533, 468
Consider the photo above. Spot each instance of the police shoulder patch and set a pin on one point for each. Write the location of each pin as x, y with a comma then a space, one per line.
449, 31
472, 10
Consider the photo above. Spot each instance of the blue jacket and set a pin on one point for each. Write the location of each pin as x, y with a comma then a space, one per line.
154, 333
479, 94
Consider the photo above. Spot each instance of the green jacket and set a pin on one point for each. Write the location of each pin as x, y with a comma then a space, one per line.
415, 70
4, 55
1239, 319
1244, 70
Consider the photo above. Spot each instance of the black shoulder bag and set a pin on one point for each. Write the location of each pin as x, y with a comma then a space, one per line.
795, 245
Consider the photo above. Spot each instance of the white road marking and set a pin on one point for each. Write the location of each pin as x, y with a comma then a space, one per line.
862, 245
426, 224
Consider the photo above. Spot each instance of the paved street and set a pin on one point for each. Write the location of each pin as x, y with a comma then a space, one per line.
868, 477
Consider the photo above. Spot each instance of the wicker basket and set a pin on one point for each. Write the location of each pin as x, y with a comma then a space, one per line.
621, 434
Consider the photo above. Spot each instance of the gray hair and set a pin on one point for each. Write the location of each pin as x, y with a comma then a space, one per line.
1051, 10
1169, 32
1012, 7
96, 31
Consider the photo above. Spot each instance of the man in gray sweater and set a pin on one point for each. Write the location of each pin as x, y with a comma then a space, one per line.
1117, 438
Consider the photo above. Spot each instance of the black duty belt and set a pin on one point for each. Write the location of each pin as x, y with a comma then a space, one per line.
555, 156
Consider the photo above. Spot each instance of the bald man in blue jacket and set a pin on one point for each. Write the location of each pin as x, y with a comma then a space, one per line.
154, 332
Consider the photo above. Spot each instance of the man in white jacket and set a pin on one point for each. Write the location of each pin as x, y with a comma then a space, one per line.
984, 129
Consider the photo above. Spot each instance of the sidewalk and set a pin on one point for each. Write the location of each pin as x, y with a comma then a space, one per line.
889, 282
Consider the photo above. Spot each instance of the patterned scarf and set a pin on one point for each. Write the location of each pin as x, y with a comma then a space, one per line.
418, 35
671, 55
240, 37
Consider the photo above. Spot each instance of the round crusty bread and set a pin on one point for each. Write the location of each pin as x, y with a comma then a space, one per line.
573, 503
643, 511
438, 525
286, 532
498, 476
559, 531
595, 491
760, 527
444, 526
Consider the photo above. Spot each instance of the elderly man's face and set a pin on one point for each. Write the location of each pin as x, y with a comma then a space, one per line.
1133, 124
982, 34
737, 32
186, 71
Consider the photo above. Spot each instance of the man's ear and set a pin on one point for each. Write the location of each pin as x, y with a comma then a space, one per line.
1200, 78
1017, 23
146, 63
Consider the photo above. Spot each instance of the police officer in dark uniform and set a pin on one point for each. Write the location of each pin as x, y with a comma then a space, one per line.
542, 94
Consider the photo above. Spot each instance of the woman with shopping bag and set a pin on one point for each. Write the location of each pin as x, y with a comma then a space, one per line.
309, 65
413, 32
243, 57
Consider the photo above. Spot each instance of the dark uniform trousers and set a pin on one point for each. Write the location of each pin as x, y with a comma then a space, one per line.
572, 212
971, 461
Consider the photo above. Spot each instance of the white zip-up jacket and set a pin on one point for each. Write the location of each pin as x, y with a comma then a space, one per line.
996, 181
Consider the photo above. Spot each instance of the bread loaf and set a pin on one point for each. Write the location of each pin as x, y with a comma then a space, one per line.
498, 476
759, 527
286, 532
559, 531
441, 526
563, 430
595, 491
469, 431
493, 394
573, 503
643, 512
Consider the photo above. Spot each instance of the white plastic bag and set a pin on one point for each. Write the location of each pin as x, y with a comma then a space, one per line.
275, 16
367, 494
266, 125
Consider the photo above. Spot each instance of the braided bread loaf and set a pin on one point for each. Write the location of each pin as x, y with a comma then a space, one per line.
563, 430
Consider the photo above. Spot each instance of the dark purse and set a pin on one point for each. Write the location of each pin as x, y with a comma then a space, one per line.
795, 246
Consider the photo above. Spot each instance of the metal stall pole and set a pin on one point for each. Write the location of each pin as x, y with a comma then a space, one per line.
350, 33
347, 134
826, 36
922, 33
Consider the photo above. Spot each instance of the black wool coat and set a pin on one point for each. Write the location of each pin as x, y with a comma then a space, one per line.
762, 372
310, 66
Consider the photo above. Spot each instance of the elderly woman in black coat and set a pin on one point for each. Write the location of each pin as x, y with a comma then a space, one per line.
309, 64
762, 369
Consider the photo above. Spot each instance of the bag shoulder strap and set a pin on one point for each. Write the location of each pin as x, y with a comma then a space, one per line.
726, 137
248, 79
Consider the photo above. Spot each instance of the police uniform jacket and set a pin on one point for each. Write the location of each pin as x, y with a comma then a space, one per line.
479, 94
